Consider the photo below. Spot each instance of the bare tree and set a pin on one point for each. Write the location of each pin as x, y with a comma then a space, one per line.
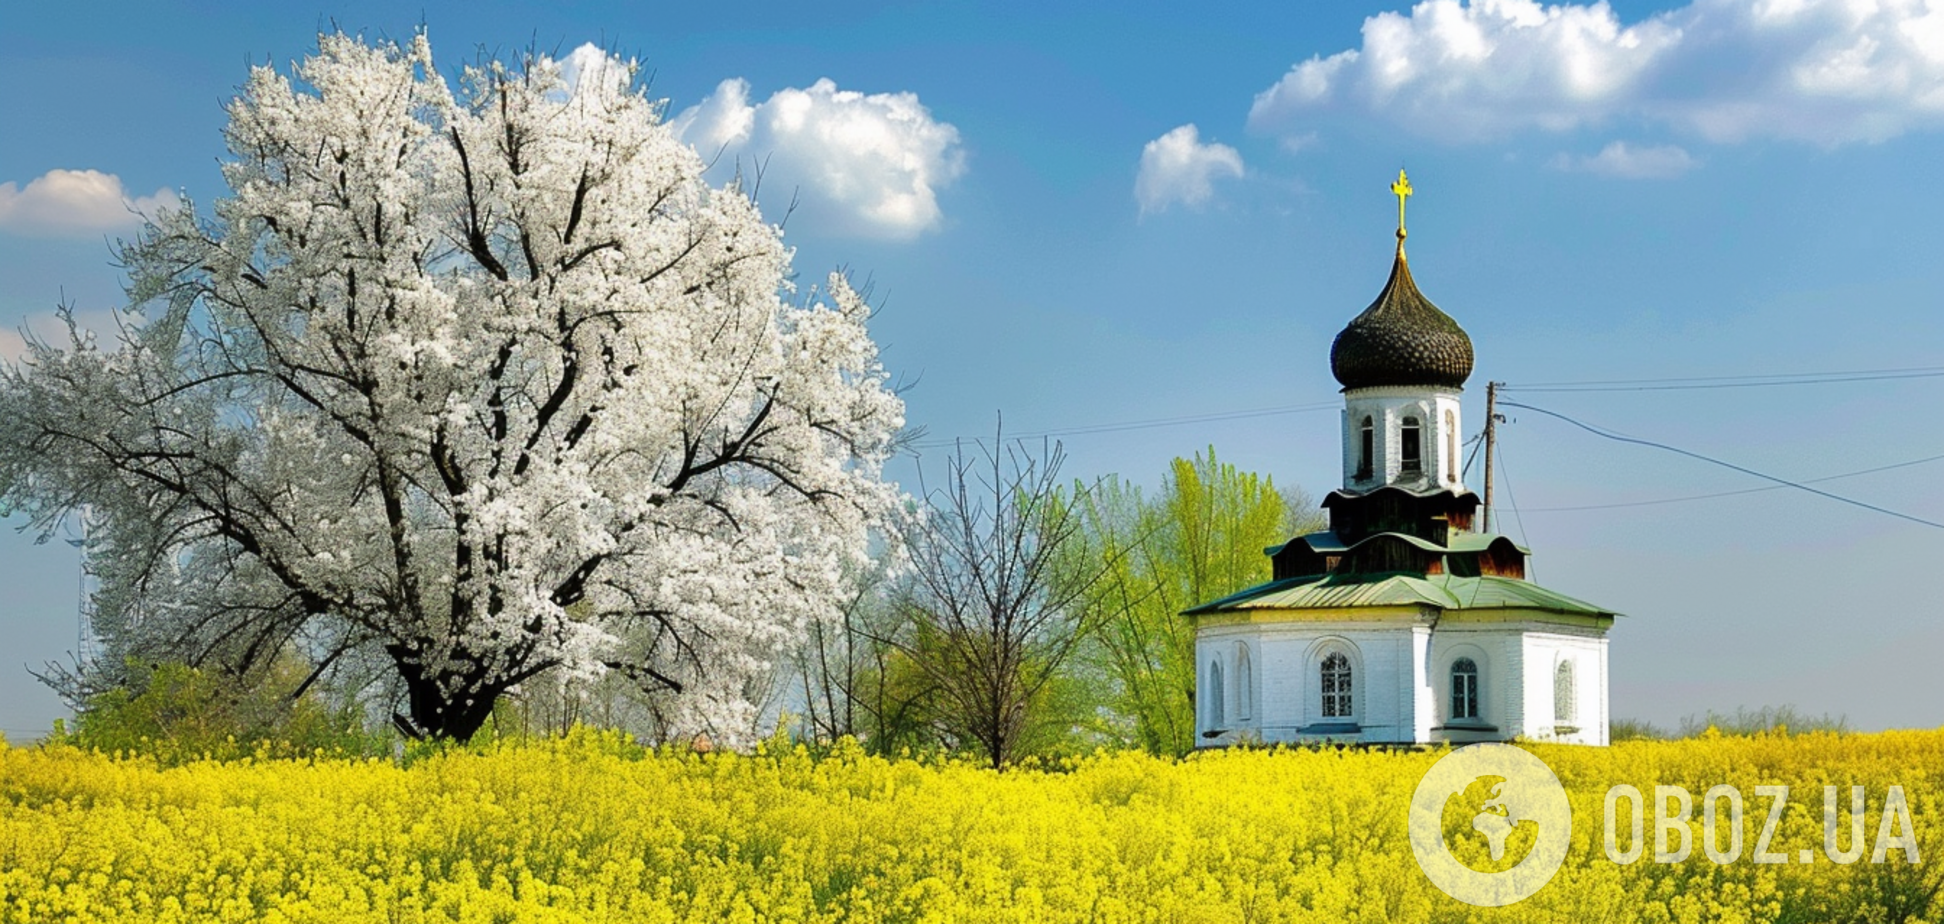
993, 608
858, 682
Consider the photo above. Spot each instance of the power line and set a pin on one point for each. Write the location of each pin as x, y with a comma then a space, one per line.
1517, 517
1148, 424
1676, 383
1598, 431
1734, 381
1771, 487
1475, 443
1740, 377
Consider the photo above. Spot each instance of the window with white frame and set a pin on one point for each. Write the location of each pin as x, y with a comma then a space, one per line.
1244, 684
1565, 696
1451, 447
1214, 695
1464, 689
1367, 452
1338, 684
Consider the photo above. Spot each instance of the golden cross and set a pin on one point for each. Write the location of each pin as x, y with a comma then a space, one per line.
1402, 189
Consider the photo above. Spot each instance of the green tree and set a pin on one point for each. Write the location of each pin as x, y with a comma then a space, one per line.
178, 713
1201, 537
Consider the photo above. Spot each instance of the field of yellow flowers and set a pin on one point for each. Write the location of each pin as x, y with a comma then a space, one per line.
591, 828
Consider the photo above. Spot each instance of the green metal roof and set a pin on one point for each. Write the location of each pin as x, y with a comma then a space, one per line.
1322, 541
1443, 591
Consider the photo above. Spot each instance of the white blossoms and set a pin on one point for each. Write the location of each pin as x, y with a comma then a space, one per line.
485, 381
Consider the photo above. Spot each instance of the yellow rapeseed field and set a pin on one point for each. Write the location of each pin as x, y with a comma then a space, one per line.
590, 828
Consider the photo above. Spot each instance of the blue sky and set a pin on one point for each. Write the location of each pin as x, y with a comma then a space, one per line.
1624, 191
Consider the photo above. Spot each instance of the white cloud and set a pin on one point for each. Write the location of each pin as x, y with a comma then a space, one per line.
1178, 168
1823, 71
65, 203
724, 119
865, 164
1628, 162
591, 60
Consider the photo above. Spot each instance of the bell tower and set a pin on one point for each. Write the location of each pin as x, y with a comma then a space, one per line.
1403, 506
1402, 364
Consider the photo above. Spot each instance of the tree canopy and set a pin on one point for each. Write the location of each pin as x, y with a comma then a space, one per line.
480, 380
1199, 538
996, 603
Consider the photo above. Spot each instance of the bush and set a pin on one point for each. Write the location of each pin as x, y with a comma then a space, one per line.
1768, 720
176, 713
1634, 730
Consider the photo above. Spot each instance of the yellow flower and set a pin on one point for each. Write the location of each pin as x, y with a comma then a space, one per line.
590, 828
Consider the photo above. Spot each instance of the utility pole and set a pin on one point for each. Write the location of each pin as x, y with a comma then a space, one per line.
1492, 419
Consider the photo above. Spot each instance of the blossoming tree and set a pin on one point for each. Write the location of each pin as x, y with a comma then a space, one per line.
480, 380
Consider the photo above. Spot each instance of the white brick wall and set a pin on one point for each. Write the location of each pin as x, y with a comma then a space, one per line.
1441, 437
1544, 652
1385, 657
1402, 666
1497, 652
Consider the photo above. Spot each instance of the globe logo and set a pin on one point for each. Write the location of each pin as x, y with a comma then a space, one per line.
1490, 824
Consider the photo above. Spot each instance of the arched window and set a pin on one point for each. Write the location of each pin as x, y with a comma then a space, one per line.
1451, 447
1411, 448
1564, 694
1214, 695
1367, 456
1464, 689
1337, 685
1244, 684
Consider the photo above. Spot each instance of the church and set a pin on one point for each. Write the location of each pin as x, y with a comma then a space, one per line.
1401, 623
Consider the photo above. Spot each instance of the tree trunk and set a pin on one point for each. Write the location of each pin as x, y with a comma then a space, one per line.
456, 709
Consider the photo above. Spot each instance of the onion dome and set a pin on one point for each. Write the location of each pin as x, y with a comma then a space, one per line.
1402, 339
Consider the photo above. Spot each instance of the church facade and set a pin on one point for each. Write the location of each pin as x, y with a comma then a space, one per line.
1401, 623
